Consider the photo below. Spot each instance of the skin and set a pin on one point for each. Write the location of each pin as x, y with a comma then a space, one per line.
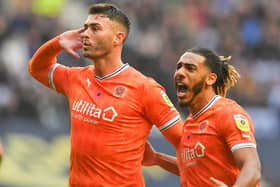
197, 77
102, 40
192, 73
151, 157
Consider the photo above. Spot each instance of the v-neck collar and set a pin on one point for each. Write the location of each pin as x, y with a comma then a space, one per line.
209, 104
123, 67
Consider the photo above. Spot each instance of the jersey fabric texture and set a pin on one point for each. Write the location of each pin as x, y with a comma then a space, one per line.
208, 141
111, 118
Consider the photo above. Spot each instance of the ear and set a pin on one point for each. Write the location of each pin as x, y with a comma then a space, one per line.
211, 79
119, 38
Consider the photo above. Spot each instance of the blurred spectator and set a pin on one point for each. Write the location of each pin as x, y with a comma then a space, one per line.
248, 30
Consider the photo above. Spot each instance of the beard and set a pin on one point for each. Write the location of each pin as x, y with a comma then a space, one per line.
196, 89
95, 54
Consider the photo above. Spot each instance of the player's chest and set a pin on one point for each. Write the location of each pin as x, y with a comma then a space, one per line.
105, 103
200, 134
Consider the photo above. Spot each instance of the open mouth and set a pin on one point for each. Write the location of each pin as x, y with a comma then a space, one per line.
181, 89
86, 43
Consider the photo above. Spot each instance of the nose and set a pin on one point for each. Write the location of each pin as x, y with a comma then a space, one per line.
85, 33
179, 72
178, 75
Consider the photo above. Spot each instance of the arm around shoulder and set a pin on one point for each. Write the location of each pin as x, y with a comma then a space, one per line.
166, 162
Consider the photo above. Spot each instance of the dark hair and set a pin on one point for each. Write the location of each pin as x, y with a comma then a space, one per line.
227, 75
112, 12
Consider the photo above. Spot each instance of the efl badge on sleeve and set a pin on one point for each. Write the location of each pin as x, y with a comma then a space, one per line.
241, 122
166, 98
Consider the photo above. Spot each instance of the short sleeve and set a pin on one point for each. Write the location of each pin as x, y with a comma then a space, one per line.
236, 127
59, 78
158, 108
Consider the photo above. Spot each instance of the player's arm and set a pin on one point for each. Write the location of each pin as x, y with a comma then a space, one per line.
249, 163
239, 135
152, 157
250, 168
173, 134
45, 57
160, 111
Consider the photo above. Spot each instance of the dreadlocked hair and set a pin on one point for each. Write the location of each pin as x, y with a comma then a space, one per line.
227, 75
231, 75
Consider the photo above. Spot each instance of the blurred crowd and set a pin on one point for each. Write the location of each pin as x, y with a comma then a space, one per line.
161, 30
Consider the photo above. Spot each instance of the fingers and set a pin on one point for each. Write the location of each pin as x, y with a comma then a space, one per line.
81, 30
73, 53
217, 182
148, 146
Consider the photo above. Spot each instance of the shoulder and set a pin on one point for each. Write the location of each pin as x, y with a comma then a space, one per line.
226, 106
82, 69
234, 114
142, 81
77, 71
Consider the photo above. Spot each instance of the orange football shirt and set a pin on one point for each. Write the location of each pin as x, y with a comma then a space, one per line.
111, 118
208, 141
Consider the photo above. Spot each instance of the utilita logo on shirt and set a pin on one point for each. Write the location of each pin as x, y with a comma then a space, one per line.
84, 110
190, 154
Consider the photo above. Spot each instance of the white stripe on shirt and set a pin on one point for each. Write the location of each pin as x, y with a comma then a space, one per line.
242, 145
51, 75
169, 123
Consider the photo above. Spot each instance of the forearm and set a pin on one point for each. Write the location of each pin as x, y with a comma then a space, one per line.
167, 162
249, 176
45, 56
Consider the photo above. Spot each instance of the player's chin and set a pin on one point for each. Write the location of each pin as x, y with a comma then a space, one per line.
86, 54
183, 103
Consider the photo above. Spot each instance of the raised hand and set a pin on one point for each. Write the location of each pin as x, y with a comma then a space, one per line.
70, 41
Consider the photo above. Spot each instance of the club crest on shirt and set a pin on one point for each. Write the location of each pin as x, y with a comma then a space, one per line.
120, 91
241, 122
203, 125
166, 98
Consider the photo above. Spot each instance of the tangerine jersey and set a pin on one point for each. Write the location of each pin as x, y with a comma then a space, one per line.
209, 139
111, 118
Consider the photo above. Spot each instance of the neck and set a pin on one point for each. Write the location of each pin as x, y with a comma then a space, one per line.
107, 64
201, 100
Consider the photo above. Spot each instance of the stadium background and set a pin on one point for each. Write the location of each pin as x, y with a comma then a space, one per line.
34, 121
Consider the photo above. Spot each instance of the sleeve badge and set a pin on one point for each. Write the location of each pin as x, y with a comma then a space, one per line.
241, 122
166, 98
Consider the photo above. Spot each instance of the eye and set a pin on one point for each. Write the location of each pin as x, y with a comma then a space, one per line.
190, 67
179, 65
94, 28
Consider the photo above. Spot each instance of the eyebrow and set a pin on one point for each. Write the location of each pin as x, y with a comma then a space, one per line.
91, 24
186, 63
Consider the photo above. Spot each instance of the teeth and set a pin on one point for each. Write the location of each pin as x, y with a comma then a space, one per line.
182, 88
